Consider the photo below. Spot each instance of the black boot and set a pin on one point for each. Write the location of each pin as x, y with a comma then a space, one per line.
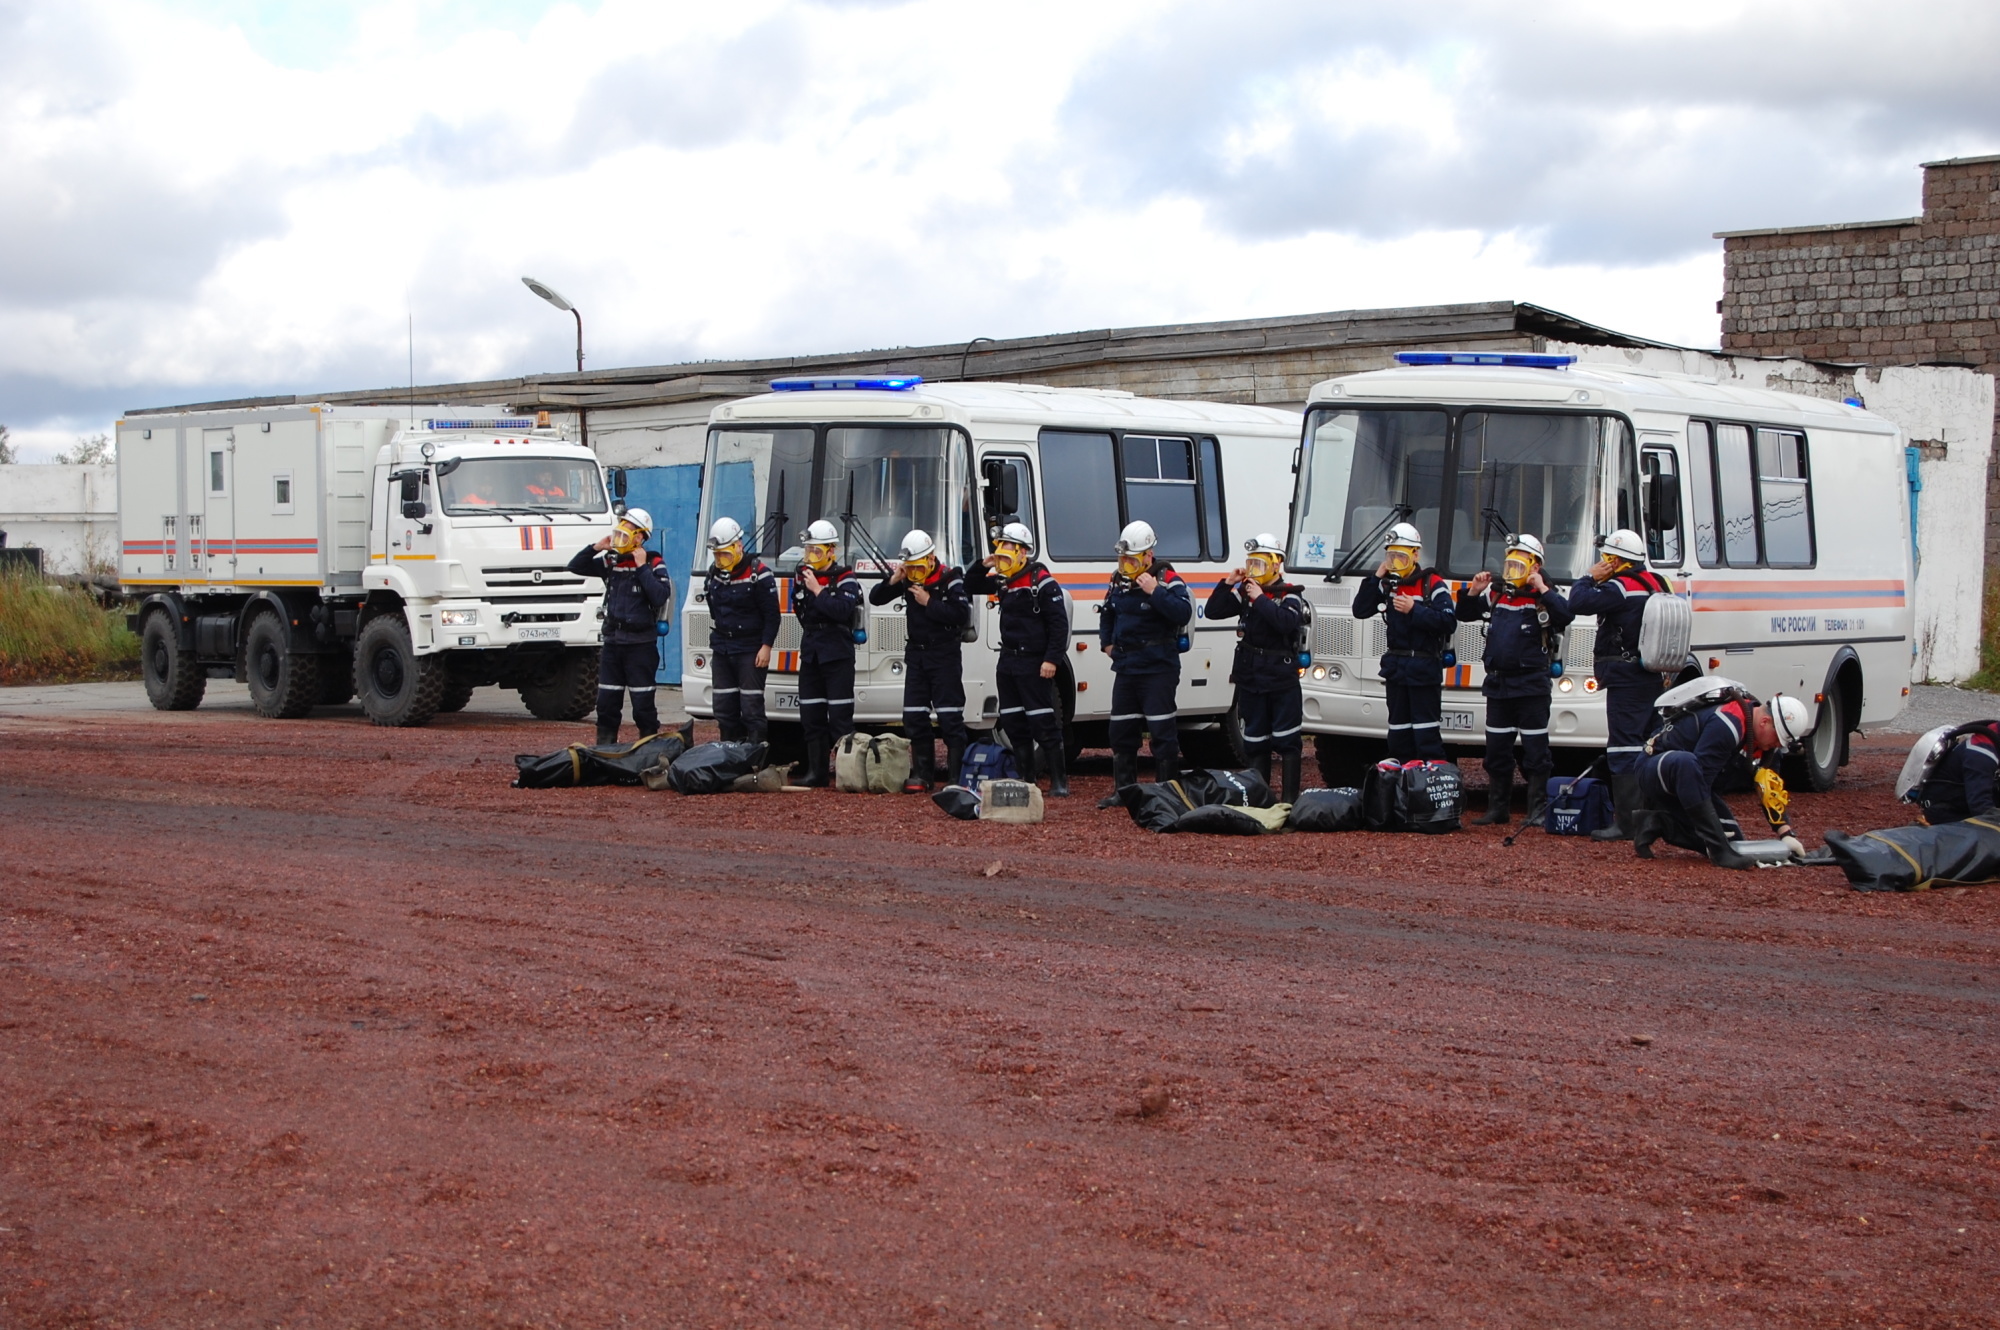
1538, 795
1715, 841
923, 768
954, 762
1058, 777
1499, 793
1261, 764
1624, 790
1124, 771
1288, 763
817, 776
1024, 759
1166, 767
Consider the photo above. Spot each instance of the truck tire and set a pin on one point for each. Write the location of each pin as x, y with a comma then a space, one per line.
456, 694
284, 685
336, 679
569, 692
174, 682
396, 686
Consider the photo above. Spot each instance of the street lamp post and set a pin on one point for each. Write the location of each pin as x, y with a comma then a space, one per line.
555, 297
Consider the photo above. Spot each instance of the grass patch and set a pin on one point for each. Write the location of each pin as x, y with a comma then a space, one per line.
50, 633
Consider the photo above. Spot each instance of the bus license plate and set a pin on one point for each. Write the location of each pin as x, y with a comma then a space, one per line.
786, 701
1457, 720
531, 634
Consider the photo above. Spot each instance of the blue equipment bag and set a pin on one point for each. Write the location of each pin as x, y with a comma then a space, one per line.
986, 761
1577, 806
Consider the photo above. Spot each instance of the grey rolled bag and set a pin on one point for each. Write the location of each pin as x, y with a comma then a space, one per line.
1919, 858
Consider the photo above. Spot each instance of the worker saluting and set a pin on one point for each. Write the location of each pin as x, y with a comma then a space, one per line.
1144, 616
1417, 610
1266, 668
1034, 633
826, 597
936, 611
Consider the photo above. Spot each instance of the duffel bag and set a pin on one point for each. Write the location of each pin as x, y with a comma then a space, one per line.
1380, 809
1156, 807
1327, 810
1229, 820
1919, 858
584, 764
1578, 806
1428, 796
1009, 801
1244, 789
871, 763
713, 768
984, 761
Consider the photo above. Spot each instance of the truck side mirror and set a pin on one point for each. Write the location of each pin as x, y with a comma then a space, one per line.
415, 509
615, 477
1663, 502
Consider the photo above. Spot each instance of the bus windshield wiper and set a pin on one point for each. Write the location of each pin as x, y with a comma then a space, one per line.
1397, 512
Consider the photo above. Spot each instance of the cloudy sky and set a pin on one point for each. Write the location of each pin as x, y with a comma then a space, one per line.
212, 197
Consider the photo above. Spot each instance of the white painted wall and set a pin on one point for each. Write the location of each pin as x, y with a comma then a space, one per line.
69, 512
1934, 405
669, 435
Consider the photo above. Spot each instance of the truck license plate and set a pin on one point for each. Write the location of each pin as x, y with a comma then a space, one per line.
786, 701
1457, 720
531, 634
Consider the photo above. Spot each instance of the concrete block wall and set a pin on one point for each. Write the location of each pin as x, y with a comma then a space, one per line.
70, 512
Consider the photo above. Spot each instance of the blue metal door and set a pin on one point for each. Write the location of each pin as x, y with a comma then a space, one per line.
672, 494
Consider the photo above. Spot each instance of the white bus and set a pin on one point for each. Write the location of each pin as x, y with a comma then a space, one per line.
1784, 517
879, 456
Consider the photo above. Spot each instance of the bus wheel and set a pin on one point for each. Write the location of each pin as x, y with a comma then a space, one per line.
1818, 767
1217, 745
174, 681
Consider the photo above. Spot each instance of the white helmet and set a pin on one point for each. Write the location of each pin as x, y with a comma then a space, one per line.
1625, 543
918, 545
1017, 533
638, 517
1136, 538
821, 532
1404, 534
1265, 543
1525, 542
1788, 717
726, 531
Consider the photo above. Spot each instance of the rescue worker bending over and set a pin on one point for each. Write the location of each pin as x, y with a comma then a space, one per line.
1144, 615
1417, 610
936, 610
1524, 614
826, 597
742, 598
1034, 633
1266, 668
1615, 590
1675, 784
635, 590
1961, 784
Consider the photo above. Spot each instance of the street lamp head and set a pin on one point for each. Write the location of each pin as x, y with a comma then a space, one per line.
547, 293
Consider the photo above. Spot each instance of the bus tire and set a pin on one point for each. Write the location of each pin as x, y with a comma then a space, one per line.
174, 680
1220, 745
1818, 767
284, 684
569, 691
397, 687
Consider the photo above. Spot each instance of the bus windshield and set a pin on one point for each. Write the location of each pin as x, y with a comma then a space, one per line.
1364, 471
874, 483
519, 485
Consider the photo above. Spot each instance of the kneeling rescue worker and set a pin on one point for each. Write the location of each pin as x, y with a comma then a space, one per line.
1675, 784
1420, 619
742, 598
1961, 784
936, 611
826, 597
1615, 590
1145, 613
1524, 614
1266, 668
1034, 634
635, 590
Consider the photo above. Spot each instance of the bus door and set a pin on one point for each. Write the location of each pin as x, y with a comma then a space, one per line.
1007, 495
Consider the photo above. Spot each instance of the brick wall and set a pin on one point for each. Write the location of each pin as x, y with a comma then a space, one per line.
1918, 290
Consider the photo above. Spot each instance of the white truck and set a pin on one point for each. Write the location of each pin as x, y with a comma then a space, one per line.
321, 553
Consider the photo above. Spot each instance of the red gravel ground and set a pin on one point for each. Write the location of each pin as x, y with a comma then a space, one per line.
312, 1024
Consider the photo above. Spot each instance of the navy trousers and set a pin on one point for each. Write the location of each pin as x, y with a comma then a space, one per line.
1511, 718
739, 696
1028, 704
1416, 715
1670, 779
1272, 722
1630, 690
628, 667
1142, 704
826, 699
933, 683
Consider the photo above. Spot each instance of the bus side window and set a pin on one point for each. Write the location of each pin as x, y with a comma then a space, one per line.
1662, 491
1214, 536
1160, 489
1079, 495
1737, 488
1784, 499
1701, 495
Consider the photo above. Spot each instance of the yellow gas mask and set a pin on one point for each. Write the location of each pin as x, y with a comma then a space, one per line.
728, 556
625, 538
819, 558
1518, 568
1402, 560
1131, 565
1262, 569
1009, 559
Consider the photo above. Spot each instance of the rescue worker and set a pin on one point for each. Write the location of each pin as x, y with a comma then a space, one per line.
1523, 614
635, 590
1034, 634
1674, 786
1615, 590
936, 611
1416, 607
1266, 668
1961, 784
741, 593
826, 597
1145, 613
546, 486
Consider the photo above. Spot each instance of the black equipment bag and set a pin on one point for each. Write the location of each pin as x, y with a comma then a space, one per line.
1158, 807
1577, 807
1245, 788
1378, 796
1218, 820
712, 768
1328, 810
960, 802
582, 764
1429, 797
1919, 858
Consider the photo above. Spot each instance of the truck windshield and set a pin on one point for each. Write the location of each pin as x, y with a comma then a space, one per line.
888, 479
520, 485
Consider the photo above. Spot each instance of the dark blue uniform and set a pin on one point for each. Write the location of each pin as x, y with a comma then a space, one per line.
1520, 636
826, 654
1266, 668
1141, 633
743, 613
1413, 668
635, 588
1630, 689
933, 673
1034, 630
1961, 784
1685, 760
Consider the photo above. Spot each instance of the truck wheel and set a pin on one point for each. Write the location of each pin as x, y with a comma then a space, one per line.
570, 690
336, 679
174, 682
1818, 767
284, 685
456, 694
396, 686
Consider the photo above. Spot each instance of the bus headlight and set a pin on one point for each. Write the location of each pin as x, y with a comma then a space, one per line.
1319, 671
1564, 684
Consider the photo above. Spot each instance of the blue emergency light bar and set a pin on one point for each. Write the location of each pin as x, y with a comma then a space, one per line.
508, 423
899, 383
1515, 359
